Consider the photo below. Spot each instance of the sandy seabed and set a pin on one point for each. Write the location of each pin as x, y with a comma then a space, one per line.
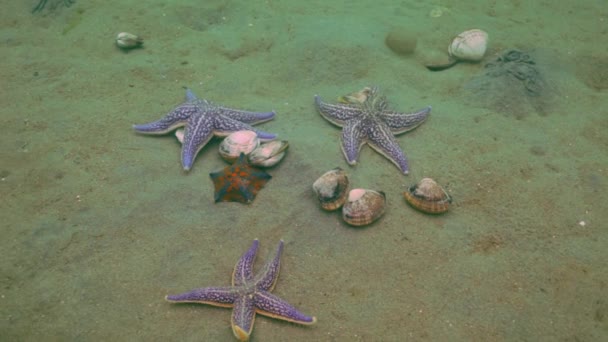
99, 223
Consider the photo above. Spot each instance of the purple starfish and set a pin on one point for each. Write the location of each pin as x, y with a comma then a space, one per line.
365, 118
203, 120
248, 295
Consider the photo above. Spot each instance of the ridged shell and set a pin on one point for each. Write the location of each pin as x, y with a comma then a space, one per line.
331, 189
428, 197
363, 207
470, 45
268, 154
238, 142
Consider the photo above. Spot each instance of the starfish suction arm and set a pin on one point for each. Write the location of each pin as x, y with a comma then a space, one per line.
381, 139
226, 126
246, 116
243, 270
240, 115
243, 317
403, 122
352, 141
216, 296
176, 118
337, 114
270, 305
268, 277
198, 133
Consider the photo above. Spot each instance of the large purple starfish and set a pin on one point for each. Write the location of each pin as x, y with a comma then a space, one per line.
366, 119
203, 120
248, 295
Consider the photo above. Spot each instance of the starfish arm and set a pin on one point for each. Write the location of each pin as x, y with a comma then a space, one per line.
268, 278
246, 116
381, 139
240, 115
243, 271
270, 305
403, 122
216, 296
224, 125
336, 114
199, 131
352, 140
243, 316
176, 118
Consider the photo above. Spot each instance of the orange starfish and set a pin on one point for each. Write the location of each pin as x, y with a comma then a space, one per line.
239, 182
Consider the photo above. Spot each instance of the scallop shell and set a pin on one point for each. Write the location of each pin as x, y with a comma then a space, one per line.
331, 189
470, 46
268, 154
363, 207
428, 197
238, 142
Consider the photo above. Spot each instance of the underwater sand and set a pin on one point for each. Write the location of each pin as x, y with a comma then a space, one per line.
99, 223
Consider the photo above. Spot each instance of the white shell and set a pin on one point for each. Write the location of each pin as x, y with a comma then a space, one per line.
126, 40
268, 154
179, 134
238, 142
470, 46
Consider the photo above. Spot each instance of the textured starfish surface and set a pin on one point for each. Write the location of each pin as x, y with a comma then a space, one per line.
239, 182
248, 295
202, 120
366, 119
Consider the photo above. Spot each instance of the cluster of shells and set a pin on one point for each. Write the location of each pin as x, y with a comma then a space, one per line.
261, 154
361, 207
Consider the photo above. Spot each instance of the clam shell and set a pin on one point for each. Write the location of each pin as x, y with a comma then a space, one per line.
331, 189
470, 46
363, 207
357, 97
238, 142
126, 40
268, 154
428, 197
179, 134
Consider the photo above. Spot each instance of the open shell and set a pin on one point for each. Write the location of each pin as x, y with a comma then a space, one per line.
238, 142
357, 97
363, 207
331, 189
428, 197
268, 154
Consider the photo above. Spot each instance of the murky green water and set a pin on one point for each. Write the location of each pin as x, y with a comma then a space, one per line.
99, 223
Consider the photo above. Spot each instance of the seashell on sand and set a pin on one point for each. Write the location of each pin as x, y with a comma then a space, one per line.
428, 197
469, 46
236, 143
127, 41
331, 189
268, 154
363, 207
356, 97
